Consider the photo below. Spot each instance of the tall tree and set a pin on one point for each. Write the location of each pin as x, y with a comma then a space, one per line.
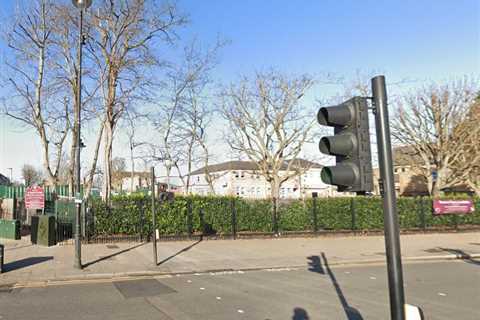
185, 113
122, 41
31, 176
65, 68
268, 124
36, 100
466, 167
432, 121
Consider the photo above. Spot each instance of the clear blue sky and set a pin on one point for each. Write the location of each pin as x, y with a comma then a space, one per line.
416, 39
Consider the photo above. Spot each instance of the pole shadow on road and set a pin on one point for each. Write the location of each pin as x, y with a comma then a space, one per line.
23, 263
179, 252
463, 255
320, 265
114, 254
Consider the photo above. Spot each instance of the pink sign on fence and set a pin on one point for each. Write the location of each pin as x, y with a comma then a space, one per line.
453, 206
34, 198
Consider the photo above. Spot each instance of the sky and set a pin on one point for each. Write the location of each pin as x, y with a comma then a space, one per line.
410, 41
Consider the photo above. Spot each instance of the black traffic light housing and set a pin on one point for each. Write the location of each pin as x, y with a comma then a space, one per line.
350, 144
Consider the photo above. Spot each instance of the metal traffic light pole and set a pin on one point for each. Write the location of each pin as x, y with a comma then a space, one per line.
387, 189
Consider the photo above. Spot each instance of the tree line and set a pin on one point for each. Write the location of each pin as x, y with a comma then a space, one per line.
131, 79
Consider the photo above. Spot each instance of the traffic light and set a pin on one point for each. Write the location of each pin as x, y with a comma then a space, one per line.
350, 144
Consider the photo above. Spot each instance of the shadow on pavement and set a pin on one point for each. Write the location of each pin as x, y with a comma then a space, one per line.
320, 265
462, 254
23, 263
179, 252
300, 314
113, 254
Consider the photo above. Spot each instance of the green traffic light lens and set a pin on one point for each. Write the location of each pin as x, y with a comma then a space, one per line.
326, 175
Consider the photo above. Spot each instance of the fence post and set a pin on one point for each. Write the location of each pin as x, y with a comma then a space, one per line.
422, 214
455, 221
154, 218
142, 220
202, 221
354, 214
314, 208
189, 218
234, 219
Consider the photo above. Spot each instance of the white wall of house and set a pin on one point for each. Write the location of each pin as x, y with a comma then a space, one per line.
249, 184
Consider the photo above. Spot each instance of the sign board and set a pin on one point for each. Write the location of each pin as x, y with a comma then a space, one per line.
34, 198
453, 207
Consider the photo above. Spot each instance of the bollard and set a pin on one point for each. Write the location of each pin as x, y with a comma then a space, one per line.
1, 257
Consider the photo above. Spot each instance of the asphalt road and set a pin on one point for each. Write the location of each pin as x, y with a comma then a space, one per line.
445, 290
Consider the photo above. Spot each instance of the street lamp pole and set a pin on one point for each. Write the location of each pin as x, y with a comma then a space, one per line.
82, 5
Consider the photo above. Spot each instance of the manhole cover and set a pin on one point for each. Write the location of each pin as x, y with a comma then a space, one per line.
112, 246
142, 288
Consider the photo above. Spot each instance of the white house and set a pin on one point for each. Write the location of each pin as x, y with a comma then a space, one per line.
242, 178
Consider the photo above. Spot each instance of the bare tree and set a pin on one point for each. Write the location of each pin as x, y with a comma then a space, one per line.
121, 43
466, 167
432, 122
185, 112
65, 66
132, 120
266, 123
31, 175
35, 99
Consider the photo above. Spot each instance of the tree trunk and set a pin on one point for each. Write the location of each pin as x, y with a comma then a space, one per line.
93, 169
71, 169
132, 172
73, 148
275, 190
107, 174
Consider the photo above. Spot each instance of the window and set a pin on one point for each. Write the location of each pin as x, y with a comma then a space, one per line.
237, 191
198, 178
242, 174
236, 174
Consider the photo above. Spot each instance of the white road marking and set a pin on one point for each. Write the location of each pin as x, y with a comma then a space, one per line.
240, 311
347, 272
219, 298
373, 278
202, 288
189, 281
442, 294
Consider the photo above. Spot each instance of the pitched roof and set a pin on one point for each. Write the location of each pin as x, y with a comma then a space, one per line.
250, 165
4, 180
406, 155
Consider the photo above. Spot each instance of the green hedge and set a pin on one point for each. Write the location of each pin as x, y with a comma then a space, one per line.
131, 214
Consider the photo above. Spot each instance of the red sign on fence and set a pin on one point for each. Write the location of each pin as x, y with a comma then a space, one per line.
34, 198
453, 206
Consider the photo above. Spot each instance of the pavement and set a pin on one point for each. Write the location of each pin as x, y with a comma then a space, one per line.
31, 265
443, 289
